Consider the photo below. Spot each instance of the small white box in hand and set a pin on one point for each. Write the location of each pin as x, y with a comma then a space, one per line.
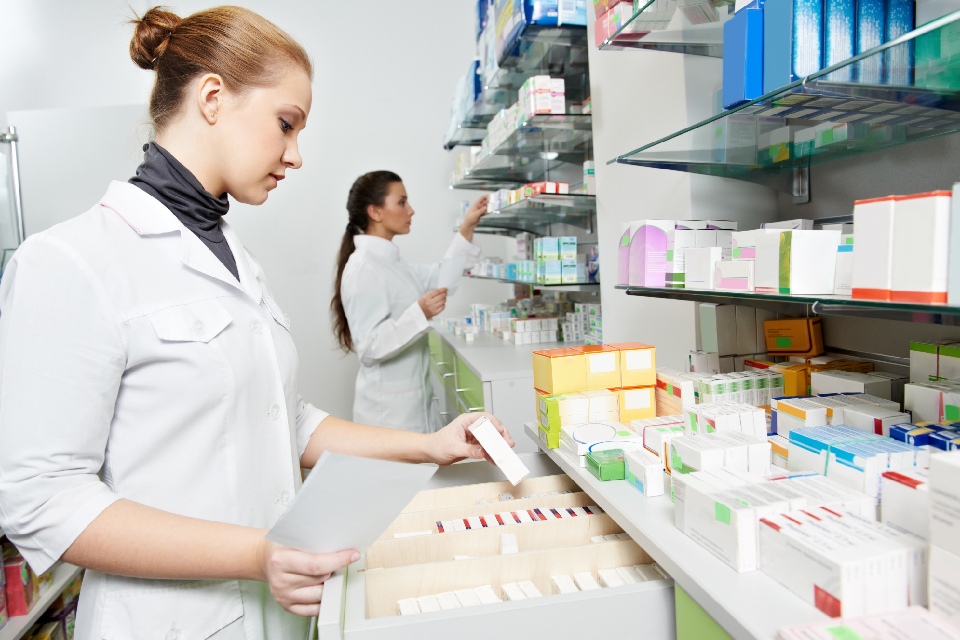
499, 451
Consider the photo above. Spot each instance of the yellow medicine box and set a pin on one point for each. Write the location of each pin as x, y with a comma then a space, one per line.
796, 378
638, 364
637, 403
794, 336
560, 370
602, 365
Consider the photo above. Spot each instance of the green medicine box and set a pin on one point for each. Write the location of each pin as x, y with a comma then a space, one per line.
550, 438
607, 465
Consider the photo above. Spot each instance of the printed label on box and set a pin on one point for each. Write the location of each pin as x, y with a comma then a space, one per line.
638, 399
603, 362
638, 360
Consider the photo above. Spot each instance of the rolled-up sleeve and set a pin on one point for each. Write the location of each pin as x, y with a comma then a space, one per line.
308, 418
376, 335
62, 356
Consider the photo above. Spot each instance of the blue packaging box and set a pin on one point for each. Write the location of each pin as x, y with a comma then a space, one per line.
743, 57
792, 41
839, 37
871, 31
912, 434
513, 17
898, 61
945, 440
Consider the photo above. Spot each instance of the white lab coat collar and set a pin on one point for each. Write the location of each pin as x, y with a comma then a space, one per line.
148, 216
377, 245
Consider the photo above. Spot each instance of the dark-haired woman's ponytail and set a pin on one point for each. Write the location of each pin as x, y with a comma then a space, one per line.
369, 189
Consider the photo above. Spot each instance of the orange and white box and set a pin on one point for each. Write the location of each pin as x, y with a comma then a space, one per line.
637, 403
638, 364
873, 221
921, 243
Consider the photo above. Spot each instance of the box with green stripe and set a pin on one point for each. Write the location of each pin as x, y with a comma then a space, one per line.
796, 262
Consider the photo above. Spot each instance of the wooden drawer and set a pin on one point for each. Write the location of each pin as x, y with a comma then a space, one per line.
362, 604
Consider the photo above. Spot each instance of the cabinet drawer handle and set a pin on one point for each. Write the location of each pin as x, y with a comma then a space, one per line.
446, 375
474, 409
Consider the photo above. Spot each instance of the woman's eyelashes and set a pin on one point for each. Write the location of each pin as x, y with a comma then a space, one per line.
285, 126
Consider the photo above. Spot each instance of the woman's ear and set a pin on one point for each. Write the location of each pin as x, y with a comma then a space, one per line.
210, 96
373, 212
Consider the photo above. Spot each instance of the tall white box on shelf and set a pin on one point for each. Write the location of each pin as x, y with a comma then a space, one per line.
796, 262
873, 259
921, 240
718, 328
953, 280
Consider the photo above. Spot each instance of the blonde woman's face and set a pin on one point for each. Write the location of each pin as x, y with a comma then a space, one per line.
257, 135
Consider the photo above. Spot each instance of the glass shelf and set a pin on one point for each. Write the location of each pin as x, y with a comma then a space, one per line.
861, 116
694, 30
535, 215
539, 145
579, 286
560, 52
822, 304
465, 136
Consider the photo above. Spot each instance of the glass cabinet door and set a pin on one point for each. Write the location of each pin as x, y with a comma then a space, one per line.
9, 237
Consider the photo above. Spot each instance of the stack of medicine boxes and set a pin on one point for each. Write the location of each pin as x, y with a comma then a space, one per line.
945, 536
612, 383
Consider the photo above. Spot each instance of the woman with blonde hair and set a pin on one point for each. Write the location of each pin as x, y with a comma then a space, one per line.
151, 428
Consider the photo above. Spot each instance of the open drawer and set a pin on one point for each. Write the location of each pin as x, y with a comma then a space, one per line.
362, 604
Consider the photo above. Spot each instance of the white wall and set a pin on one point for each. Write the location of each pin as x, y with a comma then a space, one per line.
382, 92
639, 97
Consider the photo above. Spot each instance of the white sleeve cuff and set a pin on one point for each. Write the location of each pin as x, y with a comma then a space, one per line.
308, 419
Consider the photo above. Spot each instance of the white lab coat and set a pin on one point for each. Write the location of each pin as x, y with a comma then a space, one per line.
380, 291
135, 366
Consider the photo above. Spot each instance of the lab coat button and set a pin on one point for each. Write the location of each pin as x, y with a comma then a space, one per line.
198, 325
286, 497
173, 634
256, 327
274, 412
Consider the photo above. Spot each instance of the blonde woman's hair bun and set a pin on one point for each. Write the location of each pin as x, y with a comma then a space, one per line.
151, 36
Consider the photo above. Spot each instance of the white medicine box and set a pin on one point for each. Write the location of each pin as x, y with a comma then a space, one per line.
921, 240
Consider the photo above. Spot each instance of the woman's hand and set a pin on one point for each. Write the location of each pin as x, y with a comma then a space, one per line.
454, 442
470, 221
433, 302
296, 577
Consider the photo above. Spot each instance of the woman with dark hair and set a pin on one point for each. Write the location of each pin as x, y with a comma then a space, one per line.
381, 304
151, 428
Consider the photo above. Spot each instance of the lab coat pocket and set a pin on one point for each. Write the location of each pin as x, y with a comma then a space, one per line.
193, 322
165, 609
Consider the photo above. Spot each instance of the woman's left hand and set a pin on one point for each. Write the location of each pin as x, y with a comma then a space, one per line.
454, 442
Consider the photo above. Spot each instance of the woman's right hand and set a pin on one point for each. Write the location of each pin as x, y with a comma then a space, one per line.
296, 577
433, 302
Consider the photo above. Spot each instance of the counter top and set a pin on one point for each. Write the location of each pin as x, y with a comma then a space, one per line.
749, 606
493, 359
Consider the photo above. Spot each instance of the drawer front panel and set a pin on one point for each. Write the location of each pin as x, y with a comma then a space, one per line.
469, 387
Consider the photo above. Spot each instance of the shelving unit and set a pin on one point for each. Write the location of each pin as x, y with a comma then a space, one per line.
17, 627
671, 32
821, 305
924, 104
749, 606
557, 51
579, 286
540, 144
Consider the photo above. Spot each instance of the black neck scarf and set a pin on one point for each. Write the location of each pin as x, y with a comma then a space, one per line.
166, 179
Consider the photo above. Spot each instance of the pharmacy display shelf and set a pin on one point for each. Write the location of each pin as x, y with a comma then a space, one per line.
557, 52
927, 313
578, 286
672, 31
749, 606
465, 136
922, 102
538, 145
17, 627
